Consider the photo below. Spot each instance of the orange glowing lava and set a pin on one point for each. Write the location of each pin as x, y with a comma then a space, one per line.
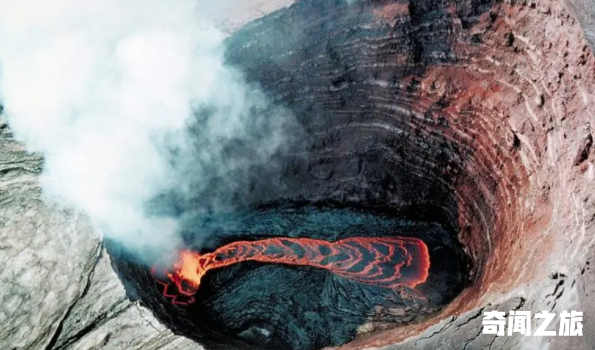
387, 262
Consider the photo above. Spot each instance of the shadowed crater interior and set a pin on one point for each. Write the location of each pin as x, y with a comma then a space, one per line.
278, 306
372, 158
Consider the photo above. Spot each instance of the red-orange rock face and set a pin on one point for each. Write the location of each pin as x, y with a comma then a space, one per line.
483, 109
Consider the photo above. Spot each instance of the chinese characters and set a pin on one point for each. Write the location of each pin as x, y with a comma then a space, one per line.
497, 323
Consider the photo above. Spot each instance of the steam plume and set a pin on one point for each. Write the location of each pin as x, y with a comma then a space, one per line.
108, 90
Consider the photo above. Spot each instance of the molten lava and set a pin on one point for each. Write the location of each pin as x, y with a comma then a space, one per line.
387, 262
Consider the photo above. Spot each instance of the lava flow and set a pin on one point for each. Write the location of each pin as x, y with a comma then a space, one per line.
387, 262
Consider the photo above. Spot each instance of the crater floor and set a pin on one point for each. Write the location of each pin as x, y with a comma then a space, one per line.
277, 306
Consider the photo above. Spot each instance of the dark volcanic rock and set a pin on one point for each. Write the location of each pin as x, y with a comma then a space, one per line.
277, 306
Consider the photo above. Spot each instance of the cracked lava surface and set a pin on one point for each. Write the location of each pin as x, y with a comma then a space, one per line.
386, 262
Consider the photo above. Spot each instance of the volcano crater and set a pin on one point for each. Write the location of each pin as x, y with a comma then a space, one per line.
418, 119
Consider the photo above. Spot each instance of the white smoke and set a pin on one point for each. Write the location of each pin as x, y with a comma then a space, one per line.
104, 88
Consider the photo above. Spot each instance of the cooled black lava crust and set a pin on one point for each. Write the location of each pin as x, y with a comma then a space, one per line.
271, 306
360, 164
